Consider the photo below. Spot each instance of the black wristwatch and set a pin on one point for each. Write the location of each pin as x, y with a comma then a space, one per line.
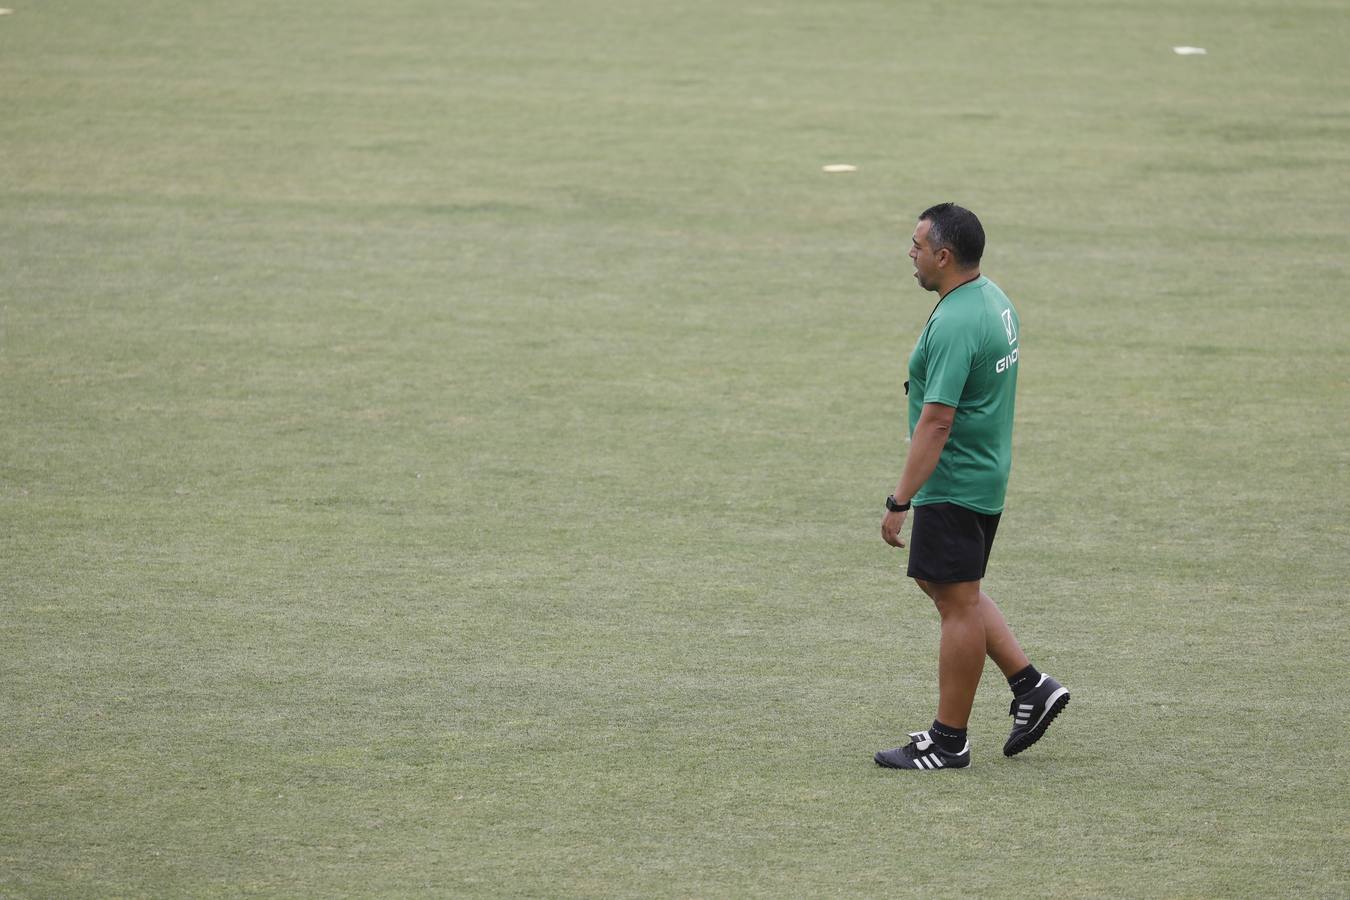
892, 506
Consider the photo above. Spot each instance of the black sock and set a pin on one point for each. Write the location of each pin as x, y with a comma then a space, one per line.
953, 740
1023, 681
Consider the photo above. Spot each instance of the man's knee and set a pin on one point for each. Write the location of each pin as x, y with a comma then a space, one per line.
954, 597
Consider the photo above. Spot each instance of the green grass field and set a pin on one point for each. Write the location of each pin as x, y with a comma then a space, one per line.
442, 446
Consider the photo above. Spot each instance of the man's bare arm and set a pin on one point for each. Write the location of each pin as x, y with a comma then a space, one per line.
925, 446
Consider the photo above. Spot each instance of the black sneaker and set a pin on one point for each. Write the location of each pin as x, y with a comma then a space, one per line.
922, 752
1033, 712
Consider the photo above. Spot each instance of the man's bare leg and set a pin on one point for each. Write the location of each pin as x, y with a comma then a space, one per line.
972, 627
1000, 643
962, 651
956, 685
956, 689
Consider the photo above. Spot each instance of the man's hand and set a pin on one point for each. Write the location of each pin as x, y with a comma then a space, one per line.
890, 528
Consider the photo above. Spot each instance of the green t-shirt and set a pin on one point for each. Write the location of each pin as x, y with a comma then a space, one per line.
967, 358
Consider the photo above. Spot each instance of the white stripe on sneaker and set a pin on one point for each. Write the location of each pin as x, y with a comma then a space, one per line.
1050, 702
937, 759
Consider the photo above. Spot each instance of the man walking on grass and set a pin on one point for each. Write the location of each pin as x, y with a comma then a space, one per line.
962, 384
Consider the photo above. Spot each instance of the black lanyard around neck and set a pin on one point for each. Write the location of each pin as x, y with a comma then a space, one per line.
946, 295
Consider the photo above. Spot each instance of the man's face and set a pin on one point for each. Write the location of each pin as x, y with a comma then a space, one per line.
925, 261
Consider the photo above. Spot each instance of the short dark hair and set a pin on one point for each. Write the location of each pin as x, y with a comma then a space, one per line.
957, 229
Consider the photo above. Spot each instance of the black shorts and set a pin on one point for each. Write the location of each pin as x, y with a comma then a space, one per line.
950, 543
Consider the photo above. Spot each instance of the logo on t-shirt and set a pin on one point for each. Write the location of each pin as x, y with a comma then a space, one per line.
1008, 326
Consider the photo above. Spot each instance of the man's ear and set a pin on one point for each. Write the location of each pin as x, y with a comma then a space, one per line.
943, 257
